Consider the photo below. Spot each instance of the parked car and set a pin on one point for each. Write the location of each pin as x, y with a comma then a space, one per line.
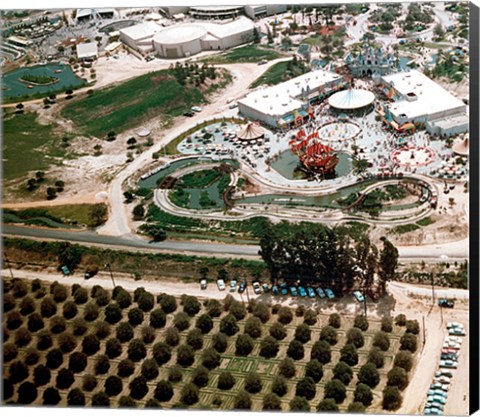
442, 379
256, 288
65, 270
262, 62
446, 303
233, 285
448, 364
203, 284
455, 339
320, 292
441, 393
457, 331
196, 109
189, 114
449, 356
438, 399
438, 406
452, 345
266, 288
302, 292
432, 412
443, 372
436, 385
284, 289
454, 324
293, 291
359, 296
311, 292
275, 290
221, 284
242, 287
330, 293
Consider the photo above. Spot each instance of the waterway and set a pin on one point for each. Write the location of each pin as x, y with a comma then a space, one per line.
13, 87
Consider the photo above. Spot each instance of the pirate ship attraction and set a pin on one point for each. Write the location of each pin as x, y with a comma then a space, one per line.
315, 157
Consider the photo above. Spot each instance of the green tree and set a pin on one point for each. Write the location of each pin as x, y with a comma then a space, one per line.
299, 404
163, 391
335, 390
388, 262
392, 398
225, 380
349, 355
408, 342
97, 215
363, 394
369, 375
306, 388
355, 337
376, 357
403, 359
269, 347
138, 212
69, 255
321, 351
253, 383
314, 370
328, 404
242, 401
295, 350
397, 377
286, 368
228, 325
279, 385
271, 402
253, 327
381, 341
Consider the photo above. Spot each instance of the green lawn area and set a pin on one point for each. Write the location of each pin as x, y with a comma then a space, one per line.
27, 145
250, 53
278, 73
69, 214
127, 105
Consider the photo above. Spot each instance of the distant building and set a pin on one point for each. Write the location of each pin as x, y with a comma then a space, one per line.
420, 100
87, 51
262, 10
372, 61
84, 15
288, 103
216, 12
173, 10
188, 39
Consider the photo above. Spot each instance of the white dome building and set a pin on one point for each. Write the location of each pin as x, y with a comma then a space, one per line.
179, 41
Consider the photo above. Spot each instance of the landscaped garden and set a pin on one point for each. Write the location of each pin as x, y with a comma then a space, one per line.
250, 53
72, 346
280, 72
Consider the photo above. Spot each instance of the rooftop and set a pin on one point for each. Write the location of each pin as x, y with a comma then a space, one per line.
431, 98
87, 50
282, 99
180, 34
142, 30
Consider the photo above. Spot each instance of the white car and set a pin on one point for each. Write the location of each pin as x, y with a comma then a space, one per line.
221, 284
442, 379
256, 288
196, 109
454, 324
454, 339
203, 284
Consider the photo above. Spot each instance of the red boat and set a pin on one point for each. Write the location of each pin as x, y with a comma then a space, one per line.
313, 155
29, 86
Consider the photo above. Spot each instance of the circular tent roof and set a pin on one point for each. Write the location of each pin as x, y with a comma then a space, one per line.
180, 34
143, 132
351, 99
461, 148
251, 132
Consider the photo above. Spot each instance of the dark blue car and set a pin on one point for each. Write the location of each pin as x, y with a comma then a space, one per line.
284, 289
302, 291
275, 290
293, 290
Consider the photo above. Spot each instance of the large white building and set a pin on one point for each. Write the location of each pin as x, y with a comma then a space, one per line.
187, 39
418, 99
140, 37
258, 11
283, 103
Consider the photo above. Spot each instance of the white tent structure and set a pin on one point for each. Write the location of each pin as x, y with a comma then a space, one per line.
351, 99
461, 148
250, 132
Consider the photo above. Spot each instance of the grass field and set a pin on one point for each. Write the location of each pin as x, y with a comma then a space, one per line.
81, 333
128, 104
250, 53
27, 145
278, 73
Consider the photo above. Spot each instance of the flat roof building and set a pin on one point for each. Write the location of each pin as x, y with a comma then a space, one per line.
87, 51
139, 37
215, 12
258, 11
418, 99
280, 104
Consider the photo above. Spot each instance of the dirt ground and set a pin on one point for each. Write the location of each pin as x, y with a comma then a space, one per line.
419, 308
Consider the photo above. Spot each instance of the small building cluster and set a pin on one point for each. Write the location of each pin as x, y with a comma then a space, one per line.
187, 39
225, 12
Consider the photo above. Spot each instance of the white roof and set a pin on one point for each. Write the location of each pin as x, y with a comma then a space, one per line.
180, 34
431, 97
141, 31
282, 99
351, 99
239, 25
87, 50
112, 46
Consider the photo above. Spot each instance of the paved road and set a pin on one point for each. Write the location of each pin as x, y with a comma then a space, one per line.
456, 251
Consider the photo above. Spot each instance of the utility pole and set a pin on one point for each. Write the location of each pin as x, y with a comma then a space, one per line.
433, 287
8, 264
424, 335
111, 274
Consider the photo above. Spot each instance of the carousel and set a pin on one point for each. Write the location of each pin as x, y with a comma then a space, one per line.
314, 156
352, 100
251, 132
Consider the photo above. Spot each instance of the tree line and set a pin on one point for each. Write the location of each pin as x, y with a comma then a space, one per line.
331, 257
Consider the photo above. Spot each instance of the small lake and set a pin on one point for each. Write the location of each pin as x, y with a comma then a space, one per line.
13, 87
287, 165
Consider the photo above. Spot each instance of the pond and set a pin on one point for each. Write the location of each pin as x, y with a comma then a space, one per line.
287, 165
13, 87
